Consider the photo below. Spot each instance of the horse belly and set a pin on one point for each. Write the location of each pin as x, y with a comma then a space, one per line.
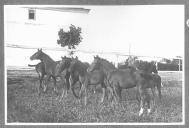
95, 79
126, 81
149, 84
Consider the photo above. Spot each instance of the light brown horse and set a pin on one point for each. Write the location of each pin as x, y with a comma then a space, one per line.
128, 78
63, 67
147, 68
104, 68
49, 67
78, 71
40, 69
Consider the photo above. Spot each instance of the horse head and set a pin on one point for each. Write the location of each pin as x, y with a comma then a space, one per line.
61, 66
94, 65
153, 68
147, 67
37, 55
72, 64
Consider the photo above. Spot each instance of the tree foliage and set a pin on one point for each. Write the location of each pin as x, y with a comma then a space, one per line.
71, 38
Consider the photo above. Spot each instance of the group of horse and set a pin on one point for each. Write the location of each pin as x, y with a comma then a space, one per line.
100, 72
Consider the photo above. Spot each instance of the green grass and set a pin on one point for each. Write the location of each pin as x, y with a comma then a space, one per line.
24, 104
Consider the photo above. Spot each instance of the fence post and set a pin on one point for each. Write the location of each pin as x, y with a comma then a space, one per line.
156, 65
179, 65
116, 61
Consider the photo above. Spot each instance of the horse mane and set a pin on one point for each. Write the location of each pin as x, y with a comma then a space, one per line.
47, 56
106, 61
145, 65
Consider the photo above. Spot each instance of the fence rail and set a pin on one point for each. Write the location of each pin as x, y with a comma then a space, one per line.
116, 54
85, 51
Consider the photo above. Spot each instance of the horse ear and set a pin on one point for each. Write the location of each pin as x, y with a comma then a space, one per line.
96, 56
62, 58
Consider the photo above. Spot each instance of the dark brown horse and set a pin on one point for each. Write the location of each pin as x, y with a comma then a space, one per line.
78, 68
147, 68
49, 66
40, 69
129, 78
63, 67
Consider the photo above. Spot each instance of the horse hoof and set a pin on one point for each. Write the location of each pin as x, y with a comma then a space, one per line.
149, 111
44, 88
85, 103
57, 98
141, 112
102, 101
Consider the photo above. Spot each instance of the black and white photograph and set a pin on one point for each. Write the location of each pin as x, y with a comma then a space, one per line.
94, 64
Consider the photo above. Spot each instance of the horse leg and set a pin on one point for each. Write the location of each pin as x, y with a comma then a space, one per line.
159, 91
94, 89
153, 98
42, 83
148, 99
142, 101
83, 89
47, 79
55, 87
159, 85
117, 90
103, 92
86, 93
63, 89
67, 87
111, 94
67, 84
138, 96
72, 83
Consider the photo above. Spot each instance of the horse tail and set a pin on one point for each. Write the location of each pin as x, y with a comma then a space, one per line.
32, 65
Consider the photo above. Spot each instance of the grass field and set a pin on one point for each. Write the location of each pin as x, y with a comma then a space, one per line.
24, 104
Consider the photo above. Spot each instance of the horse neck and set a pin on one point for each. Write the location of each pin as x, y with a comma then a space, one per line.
46, 59
80, 68
82, 65
107, 67
68, 62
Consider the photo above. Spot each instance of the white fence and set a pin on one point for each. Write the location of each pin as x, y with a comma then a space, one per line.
115, 57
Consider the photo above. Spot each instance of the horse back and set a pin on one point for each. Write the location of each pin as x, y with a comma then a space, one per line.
50, 68
125, 78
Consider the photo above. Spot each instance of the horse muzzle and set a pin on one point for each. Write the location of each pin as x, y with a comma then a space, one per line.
31, 58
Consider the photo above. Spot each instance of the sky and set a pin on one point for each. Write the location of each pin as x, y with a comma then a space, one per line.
143, 30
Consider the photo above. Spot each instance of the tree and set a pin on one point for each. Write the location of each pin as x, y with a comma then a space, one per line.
71, 38
131, 60
165, 60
